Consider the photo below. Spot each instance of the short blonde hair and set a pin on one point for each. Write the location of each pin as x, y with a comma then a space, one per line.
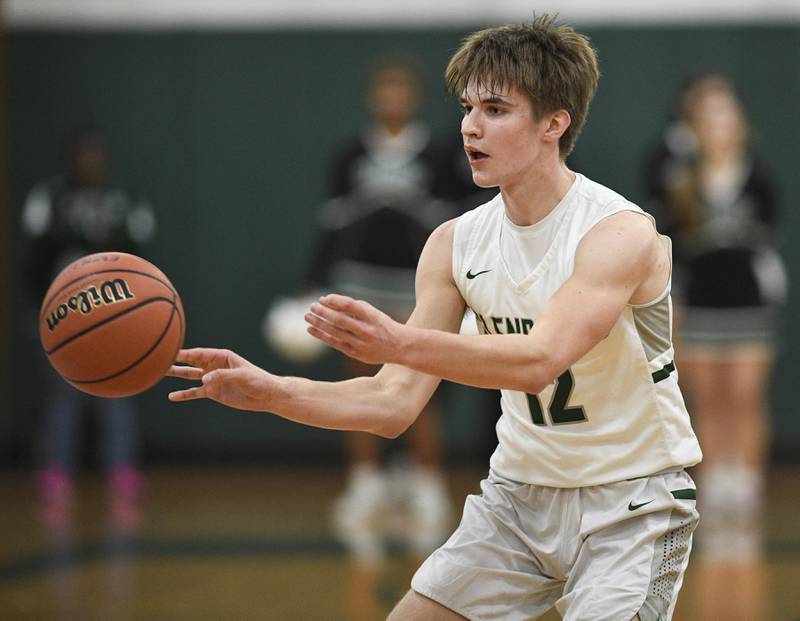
553, 64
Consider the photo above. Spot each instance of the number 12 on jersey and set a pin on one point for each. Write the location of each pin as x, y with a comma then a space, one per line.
560, 413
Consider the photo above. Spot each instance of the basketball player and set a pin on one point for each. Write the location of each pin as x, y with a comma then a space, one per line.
586, 507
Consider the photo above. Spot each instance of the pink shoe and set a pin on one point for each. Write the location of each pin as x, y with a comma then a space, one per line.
56, 493
127, 487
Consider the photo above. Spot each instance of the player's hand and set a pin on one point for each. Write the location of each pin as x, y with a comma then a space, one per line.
355, 328
226, 378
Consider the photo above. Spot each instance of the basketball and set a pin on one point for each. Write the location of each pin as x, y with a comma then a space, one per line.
111, 324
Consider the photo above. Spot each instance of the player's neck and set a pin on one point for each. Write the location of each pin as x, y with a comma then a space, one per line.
535, 196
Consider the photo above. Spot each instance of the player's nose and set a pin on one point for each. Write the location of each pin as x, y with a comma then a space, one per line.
470, 126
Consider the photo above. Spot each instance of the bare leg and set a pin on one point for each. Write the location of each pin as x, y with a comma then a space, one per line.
430, 510
749, 380
749, 374
363, 448
731, 590
425, 437
357, 512
704, 372
704, 376
414, 607
363, 602
729, 407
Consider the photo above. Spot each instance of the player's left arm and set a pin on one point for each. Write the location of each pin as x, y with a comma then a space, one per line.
621, 260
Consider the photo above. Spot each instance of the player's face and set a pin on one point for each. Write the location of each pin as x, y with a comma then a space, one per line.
502, 137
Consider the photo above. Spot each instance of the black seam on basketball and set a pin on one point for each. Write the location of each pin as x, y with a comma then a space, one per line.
136, 362
175, 300
49, 301
183, 329
108, 320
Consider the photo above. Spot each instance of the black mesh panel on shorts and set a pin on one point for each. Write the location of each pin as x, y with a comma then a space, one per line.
672, 548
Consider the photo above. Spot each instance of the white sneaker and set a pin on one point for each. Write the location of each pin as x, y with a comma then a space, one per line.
430, 511
358, 513
731, 508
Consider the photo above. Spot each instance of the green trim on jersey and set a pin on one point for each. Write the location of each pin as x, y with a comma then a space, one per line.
664, 372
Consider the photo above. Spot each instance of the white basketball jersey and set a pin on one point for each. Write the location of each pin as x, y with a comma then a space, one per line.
617, 413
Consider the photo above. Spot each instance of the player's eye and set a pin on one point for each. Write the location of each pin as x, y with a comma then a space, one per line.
494, 110
465, 110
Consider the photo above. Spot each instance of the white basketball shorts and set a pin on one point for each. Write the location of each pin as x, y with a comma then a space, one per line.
606, 552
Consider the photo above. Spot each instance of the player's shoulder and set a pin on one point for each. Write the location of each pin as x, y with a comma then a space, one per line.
609, 216
439, 247
633, 226
626, 239
601, 206
602, 197
443, 231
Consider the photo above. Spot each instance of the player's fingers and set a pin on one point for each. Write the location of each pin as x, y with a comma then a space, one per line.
203, 357
198, 392
332, 341
338, 319
191, 356
322, 327
185, 372
342, 303
342, 338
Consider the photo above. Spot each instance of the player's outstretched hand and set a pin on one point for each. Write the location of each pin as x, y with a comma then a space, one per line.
355, 328
226, 378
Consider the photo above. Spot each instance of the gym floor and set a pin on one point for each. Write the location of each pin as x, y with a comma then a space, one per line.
247, 543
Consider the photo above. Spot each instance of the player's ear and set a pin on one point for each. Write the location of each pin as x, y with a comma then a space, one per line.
557, 124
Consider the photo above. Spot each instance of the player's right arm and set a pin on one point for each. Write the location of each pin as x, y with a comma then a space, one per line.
372, 404
384, 404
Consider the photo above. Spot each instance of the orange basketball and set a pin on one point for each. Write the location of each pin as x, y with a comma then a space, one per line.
111, 324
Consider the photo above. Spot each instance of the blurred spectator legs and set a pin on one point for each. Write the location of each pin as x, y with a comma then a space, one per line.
60, 456
728, 395
58, 442
407, 501
729, 411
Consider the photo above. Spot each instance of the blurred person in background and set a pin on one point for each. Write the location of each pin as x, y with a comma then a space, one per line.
76, 213
714, 197
384, 183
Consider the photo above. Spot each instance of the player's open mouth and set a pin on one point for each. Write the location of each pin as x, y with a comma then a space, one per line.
474, 155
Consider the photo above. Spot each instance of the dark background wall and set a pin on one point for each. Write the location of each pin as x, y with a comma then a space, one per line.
228, 134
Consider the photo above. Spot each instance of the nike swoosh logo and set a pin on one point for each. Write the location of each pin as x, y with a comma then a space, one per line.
633, 507
470, 275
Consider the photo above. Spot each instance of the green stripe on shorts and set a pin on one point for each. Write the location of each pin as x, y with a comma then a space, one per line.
684, 494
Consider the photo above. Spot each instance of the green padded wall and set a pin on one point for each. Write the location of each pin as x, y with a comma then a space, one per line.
228, 134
